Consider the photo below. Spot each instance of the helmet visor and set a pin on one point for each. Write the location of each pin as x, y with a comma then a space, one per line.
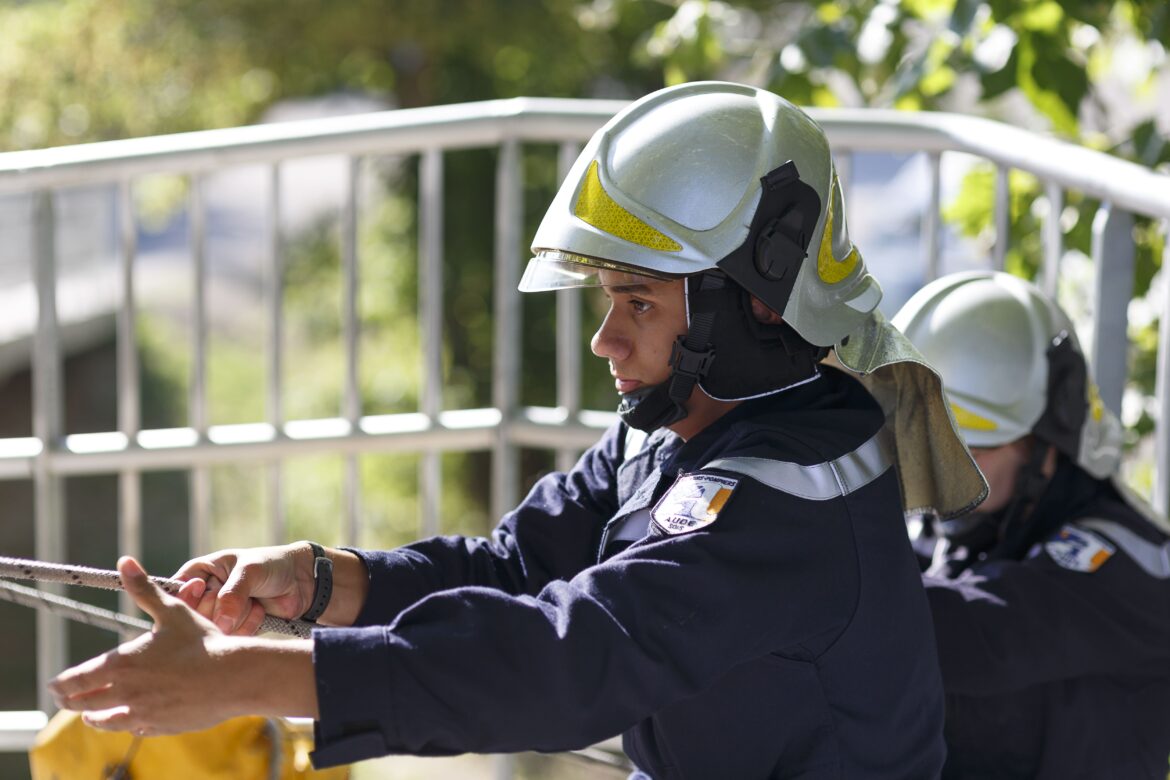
552, 269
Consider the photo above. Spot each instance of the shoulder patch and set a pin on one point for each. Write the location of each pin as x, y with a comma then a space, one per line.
1078, 550
692, 502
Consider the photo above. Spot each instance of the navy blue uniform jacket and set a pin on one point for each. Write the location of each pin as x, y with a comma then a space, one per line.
1056, 661
788, 638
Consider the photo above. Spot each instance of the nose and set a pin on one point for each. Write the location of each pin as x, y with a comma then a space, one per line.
609, 341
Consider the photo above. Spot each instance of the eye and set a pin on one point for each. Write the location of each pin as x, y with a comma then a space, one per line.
639, 306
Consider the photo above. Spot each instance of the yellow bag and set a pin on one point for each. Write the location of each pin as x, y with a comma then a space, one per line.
248, 748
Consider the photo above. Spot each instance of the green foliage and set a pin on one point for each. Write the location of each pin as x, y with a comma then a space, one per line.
163, 371
100, 69
85, 70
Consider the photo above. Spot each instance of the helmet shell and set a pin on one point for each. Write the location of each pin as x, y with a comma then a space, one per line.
990, 336
670, 187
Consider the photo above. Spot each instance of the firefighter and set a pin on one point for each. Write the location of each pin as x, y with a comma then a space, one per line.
1051, 603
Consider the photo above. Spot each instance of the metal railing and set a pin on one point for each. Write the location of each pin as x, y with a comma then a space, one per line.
1125, 191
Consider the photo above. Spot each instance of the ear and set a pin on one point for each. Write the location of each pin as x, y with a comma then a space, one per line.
763, 314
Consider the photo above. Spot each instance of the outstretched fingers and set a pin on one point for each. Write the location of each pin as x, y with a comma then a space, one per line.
72, 687
155, 683
114, 719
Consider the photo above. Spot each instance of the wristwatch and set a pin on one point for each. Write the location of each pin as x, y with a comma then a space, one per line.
322, 583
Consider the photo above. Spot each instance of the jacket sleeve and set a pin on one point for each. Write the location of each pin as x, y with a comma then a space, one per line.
476, 669
1020, 623
552, 534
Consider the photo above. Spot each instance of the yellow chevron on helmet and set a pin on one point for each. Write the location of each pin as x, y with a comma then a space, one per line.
829, 268
595, 207
971, 421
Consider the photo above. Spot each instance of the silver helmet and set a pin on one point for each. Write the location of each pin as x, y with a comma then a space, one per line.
1011, 366
712, 175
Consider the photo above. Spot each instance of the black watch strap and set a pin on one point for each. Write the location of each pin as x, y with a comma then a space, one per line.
322, 583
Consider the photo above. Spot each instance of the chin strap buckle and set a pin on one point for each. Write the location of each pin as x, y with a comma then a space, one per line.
688, 362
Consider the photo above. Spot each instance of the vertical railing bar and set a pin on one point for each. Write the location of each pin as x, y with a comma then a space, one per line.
932, 219
129, 410
506, 347
129, 414
351, 326
1161, 497
353, 500
1113, 270
351, 322
568, 334
430, 274
275, 349
200, 522
1053, 238
48, 418
506, 359
198, 238
844, 161
1002, 216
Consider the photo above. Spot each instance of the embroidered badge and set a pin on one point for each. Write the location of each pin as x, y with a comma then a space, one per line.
693, 502
1078, 550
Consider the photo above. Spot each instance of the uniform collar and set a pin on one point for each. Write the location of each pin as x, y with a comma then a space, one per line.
807, 395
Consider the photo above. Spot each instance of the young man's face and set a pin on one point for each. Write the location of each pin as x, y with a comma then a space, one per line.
644, 319
1000, 465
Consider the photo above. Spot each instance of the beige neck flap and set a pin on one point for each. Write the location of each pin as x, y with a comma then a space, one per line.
937, 471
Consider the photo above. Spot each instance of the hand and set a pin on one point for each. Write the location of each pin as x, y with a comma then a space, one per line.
235, 588
176, 678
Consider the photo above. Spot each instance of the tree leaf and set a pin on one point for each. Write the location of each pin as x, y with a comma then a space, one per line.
996, 83
1049, 85
1042, 17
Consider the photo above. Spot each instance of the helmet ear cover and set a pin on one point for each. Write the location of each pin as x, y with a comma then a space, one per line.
754, 358
767, 262
1066, 401
749, 358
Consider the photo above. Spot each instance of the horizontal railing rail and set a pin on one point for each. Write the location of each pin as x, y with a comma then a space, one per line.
551, 120
404, 131
168, 449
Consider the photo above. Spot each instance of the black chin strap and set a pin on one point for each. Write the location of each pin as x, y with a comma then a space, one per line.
1006, 534
1015, 530
650, 409
692, 354
690, 359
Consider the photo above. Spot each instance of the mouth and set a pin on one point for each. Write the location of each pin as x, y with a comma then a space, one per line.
625, 385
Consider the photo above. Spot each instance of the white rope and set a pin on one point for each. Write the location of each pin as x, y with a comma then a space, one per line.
24, 569
75, 610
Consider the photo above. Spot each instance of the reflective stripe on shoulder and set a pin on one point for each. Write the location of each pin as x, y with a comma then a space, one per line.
819, 481
1153, 558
